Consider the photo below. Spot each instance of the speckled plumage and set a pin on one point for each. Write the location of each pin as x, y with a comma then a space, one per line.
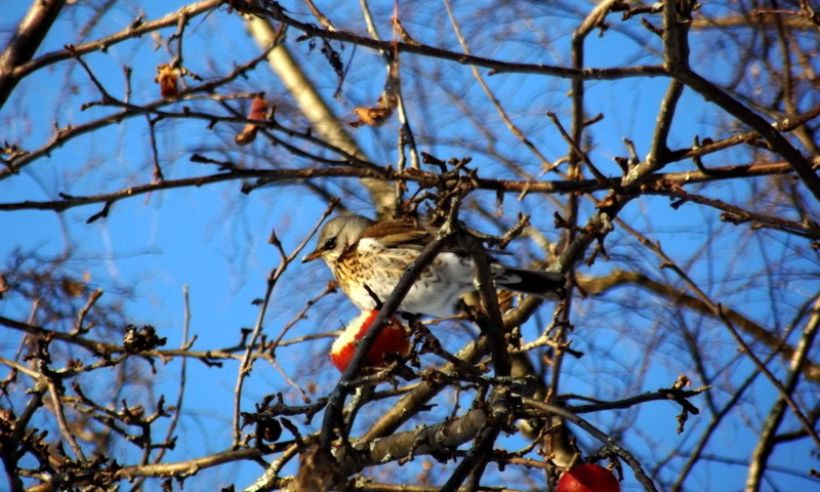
362, 253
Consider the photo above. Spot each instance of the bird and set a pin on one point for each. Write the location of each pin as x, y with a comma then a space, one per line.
368, 259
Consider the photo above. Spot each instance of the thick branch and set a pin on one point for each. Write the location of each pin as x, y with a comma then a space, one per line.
435, 439
187, 468
497, 66
30, 33
135, 30
748, 117
423, 178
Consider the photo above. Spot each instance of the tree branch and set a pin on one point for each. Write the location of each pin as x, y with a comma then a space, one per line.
30, 33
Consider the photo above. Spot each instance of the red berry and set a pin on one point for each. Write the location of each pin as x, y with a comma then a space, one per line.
392, 339
588, 478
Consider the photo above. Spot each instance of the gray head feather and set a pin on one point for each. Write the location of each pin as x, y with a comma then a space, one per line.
338, 234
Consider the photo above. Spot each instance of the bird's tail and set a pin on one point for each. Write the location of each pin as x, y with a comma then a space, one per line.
538, 283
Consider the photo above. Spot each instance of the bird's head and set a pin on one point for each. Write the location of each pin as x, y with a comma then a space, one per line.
338, 235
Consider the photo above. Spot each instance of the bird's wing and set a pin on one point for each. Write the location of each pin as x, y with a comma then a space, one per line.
399, 233
410, 234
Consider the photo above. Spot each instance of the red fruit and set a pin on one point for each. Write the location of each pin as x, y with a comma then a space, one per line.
393, 340
588, 478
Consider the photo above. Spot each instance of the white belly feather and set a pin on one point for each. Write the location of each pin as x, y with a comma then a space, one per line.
435, 292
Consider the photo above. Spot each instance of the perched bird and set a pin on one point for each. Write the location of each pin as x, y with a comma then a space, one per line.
368, 259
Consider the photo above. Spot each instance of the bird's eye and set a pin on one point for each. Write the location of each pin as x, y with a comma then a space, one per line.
329, 244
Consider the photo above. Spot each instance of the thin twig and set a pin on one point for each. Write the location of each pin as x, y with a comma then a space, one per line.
546, 165
718, 311
609, 443
766, 442
247, 360
407, 130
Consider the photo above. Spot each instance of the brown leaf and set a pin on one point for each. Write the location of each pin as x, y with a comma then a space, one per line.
72, 288
247, 135
258, 112
375, 116
259, 108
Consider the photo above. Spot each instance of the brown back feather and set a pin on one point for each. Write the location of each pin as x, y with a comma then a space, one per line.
405, 233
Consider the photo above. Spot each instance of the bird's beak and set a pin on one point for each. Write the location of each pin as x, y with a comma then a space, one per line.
312, 256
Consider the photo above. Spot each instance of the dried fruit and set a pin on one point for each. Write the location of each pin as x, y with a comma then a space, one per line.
167, 77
